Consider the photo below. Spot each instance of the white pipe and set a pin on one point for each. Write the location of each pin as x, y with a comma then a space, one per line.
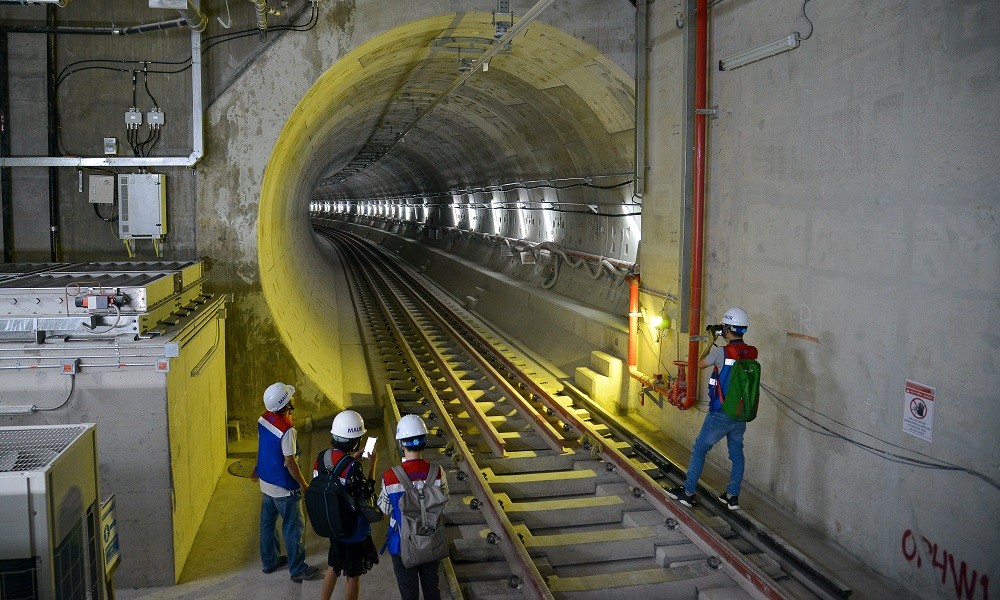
197, 134
29, 2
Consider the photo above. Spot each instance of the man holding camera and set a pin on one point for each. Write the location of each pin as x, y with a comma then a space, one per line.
718, 424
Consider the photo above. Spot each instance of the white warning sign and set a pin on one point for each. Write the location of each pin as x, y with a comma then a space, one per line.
918, 410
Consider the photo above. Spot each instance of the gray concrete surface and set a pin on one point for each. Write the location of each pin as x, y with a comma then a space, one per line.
225, 559
852, 210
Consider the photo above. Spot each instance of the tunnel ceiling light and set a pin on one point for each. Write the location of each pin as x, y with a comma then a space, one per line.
761, 52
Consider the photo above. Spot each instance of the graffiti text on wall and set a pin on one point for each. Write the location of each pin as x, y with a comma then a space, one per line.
969, 585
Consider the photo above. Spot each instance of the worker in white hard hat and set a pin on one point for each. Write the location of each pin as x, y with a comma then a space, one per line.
281, 484
411, 435
350, 559
718, 424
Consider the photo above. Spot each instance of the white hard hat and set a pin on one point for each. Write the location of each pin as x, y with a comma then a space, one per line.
737, 317
277, 396
410, 426
348, 425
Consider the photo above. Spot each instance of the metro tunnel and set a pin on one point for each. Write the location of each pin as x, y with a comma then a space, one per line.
521, 221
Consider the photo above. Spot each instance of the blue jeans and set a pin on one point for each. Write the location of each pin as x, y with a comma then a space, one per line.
716, 426
292, 526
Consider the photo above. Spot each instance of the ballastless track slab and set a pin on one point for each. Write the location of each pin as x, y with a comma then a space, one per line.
547, 502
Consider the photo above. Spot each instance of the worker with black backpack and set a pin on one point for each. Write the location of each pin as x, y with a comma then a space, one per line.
340, 489
416, 538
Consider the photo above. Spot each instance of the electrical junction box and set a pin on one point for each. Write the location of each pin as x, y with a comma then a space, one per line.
102, 189
142, 206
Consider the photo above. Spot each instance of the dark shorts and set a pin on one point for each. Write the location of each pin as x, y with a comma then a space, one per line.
352, 560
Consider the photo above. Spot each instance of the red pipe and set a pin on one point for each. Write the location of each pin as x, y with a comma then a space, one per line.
698, 219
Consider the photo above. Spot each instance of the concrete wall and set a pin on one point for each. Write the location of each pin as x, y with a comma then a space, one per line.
853, 200
196, 420
92, 103
243, 126
129, 407
161, 441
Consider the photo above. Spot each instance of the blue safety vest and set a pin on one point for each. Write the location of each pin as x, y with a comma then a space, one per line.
270, 459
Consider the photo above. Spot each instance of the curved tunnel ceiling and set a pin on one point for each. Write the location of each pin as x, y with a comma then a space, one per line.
553, 107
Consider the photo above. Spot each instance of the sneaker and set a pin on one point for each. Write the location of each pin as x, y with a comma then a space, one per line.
309, 573
282, 561
678, 493
733, 502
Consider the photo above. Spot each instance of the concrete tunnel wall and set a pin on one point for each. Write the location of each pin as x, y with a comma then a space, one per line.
875, 137
802, 194
234, 191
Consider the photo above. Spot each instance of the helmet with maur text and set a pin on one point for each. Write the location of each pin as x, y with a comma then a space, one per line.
348, 425
411, 432
736, 318
277, 396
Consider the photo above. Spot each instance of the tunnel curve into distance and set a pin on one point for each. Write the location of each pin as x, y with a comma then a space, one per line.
553, 107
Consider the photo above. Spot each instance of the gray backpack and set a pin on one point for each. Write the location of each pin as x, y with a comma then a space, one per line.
421, 525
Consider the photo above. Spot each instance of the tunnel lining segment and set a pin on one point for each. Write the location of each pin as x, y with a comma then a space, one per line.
296, 277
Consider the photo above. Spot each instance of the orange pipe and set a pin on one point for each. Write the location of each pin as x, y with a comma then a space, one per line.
633, 341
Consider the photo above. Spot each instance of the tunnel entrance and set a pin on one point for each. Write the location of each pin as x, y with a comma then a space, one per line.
552, 108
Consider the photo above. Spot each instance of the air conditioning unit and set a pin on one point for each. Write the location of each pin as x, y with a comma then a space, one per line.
50, 522
142, 206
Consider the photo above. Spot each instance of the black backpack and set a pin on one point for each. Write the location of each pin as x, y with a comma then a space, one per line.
328, 503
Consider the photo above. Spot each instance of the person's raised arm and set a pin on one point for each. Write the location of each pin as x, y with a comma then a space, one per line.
703, 360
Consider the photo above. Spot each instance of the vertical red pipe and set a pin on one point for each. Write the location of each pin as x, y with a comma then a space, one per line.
698, 219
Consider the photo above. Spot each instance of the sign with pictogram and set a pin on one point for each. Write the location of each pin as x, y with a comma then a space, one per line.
109, 527
918, 410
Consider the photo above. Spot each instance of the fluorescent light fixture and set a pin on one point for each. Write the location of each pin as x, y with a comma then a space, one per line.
761, 52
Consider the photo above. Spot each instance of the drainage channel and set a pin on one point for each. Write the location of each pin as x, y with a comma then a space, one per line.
547, 502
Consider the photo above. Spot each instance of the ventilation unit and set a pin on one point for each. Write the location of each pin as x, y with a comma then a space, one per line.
50, 536
142, 206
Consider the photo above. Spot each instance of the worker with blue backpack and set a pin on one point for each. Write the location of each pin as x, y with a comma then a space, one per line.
733, 393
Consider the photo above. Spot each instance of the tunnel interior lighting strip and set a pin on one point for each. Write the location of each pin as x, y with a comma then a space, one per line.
761, 52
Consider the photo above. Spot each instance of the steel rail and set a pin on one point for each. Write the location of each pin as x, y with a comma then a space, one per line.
513, 550
804, 570
747, 575
493, 439
750, 577
549, 434
486, 429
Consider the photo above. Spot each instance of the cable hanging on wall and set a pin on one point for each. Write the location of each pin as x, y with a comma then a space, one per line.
787, 405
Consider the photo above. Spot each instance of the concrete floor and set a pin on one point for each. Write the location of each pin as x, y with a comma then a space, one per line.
865, 582
225, 560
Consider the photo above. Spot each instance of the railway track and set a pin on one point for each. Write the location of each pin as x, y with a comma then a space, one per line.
550, 497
